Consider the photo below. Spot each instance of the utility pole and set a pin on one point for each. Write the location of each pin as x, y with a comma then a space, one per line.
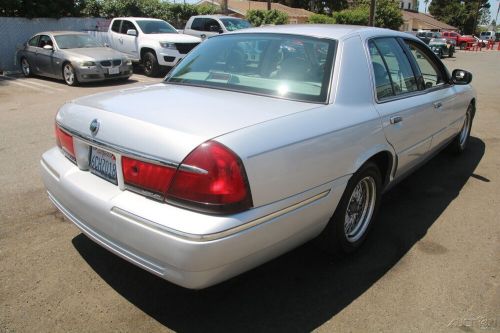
268, 4
474, 27
371, 20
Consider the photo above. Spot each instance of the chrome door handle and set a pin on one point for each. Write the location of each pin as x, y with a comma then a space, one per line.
396, 119
437, 105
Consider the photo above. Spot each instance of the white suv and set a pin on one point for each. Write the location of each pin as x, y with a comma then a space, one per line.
153, 42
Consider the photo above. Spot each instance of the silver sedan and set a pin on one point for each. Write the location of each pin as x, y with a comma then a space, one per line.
72, 56
255, 143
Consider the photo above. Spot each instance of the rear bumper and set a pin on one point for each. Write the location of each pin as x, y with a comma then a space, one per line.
205, 251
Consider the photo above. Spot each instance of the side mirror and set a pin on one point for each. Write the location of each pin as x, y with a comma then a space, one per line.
132, 32
460, 76
48, 47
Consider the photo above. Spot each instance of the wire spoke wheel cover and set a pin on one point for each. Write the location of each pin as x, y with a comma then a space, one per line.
464, 133
360, 209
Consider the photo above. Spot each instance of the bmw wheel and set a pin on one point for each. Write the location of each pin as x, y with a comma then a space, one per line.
355, 212
25, 67
69, 75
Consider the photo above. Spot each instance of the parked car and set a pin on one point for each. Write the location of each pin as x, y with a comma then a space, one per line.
204, 26
426, 36
486, 36
155, 43
461, 40
72, 56
234, 160
442, 47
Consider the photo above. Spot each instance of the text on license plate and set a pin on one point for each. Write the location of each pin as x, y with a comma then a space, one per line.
103, 164
114, 70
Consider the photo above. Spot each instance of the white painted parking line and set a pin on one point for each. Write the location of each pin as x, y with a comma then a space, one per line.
15, 82
35, 83
40, 83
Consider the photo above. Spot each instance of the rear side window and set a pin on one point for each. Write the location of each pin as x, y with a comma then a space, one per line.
198, 24
116, 26
211, 25
44, 40
396, 68
33, 41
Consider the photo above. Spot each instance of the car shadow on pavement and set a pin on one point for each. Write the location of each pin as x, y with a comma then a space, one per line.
303, 289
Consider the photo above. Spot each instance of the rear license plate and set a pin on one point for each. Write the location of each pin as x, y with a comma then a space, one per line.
103, 164
114, 70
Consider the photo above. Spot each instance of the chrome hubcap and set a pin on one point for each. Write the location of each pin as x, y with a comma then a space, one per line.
69, 75
360, 209
26, 67
465, 130
148, 65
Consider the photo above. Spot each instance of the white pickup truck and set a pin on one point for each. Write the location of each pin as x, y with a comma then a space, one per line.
154, 43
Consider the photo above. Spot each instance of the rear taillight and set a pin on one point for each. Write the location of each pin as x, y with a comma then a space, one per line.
212, 179
65, 142
150, 177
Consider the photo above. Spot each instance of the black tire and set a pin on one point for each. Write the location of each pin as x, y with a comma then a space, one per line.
441, 56
335, 239
151, 66
450, 53
69, 75
459, 143
26, 67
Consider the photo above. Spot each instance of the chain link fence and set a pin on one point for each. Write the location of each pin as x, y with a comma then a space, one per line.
14, 31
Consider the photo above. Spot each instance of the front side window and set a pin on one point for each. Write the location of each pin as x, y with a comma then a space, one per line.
431, 74
127, 25
388, 52
155, 27
211, 25
76, 41
277, 65
33, 41
44, 40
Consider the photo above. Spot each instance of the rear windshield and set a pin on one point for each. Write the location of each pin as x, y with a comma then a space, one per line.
156, 27
76, 41
278, 65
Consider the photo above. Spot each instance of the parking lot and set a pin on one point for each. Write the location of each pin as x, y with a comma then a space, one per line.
431, 263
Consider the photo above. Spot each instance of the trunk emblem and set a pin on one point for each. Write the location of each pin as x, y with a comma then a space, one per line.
94, 127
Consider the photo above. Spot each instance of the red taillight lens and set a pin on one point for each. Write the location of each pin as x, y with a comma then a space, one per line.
211, 178
65, 142
151, 177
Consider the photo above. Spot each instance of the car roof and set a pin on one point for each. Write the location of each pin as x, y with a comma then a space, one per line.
57, 33
331, 31
137, 18
218, 16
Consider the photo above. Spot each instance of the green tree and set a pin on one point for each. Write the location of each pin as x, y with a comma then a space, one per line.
40, 8
322, 19
463, 14
259, 17
387, 14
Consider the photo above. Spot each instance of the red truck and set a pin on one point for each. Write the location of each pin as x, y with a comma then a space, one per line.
461, 40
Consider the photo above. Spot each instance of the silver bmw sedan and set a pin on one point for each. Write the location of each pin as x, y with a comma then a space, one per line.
72, 56
256, 142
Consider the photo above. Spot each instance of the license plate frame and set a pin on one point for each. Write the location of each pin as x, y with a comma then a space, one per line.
113, 70
103, 164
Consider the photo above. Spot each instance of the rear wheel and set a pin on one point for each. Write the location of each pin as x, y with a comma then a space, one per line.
355, 212
151, 66
459, 144
25, 67
69, 75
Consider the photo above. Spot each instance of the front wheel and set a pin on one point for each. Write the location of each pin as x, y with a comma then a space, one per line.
69, 75
355, 212
151, 66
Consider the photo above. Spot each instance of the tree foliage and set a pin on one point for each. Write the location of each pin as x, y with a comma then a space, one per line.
463, 14
259, 17
321, 19
40, 8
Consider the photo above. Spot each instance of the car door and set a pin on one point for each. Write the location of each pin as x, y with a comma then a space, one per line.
114, 35
406, 113
211, 27
44, 57
197, 26
447, 113
128, 43
30, 52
